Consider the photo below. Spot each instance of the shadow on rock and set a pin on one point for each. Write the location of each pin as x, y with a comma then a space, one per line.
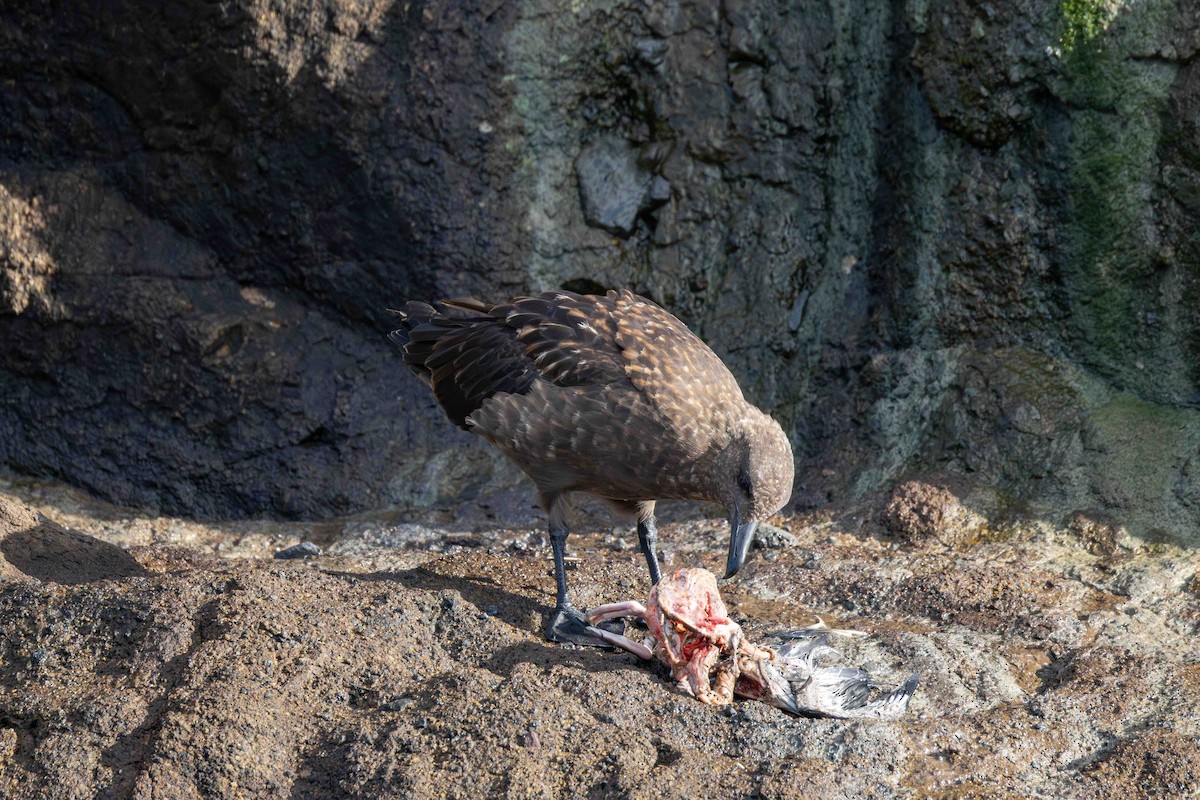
38, 548
542, 654
514, 609
479, 592
131, 750
322, 768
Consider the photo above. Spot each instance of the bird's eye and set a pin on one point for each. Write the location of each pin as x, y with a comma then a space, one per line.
744, 483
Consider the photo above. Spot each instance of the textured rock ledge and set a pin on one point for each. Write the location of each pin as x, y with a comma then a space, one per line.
389, 670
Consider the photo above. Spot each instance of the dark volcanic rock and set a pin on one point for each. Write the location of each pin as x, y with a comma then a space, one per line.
614, 187
982, 64
301, 550
933, 238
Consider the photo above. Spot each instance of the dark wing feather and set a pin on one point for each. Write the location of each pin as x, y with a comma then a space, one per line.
468, 351
464, 352
571, 338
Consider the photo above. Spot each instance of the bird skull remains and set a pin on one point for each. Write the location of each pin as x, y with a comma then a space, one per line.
694, 636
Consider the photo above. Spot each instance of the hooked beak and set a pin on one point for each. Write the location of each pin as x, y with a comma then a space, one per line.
740, 536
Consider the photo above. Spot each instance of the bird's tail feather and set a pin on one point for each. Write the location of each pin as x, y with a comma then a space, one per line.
412, 314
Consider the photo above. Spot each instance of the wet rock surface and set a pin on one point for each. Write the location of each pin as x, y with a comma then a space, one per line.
419, 671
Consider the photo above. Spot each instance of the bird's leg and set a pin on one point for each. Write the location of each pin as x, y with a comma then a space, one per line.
567, 624
558, 542
648, 540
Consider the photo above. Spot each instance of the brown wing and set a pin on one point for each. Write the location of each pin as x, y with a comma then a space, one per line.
464, 353
468, 351
570, 338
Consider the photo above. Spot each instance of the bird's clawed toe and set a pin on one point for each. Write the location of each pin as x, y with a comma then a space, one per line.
569, 624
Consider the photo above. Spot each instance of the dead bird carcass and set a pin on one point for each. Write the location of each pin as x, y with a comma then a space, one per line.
712, 661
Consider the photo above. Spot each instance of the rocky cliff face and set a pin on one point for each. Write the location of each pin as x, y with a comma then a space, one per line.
933, 237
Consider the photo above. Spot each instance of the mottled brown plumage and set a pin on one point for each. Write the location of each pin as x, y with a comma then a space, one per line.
607, 395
